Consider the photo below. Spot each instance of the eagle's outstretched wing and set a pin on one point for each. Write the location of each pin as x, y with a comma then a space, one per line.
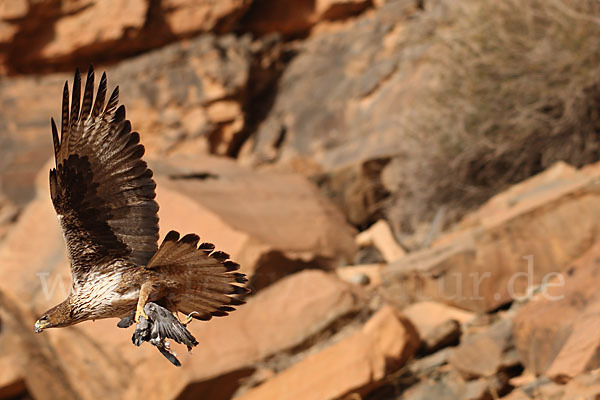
102, 190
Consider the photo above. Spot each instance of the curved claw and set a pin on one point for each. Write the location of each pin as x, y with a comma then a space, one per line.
189, 318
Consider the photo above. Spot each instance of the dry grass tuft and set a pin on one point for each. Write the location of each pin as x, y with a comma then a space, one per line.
517, 89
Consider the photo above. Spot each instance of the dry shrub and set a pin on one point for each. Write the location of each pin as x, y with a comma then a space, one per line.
517, 89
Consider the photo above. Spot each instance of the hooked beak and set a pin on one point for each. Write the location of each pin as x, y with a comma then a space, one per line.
39, 326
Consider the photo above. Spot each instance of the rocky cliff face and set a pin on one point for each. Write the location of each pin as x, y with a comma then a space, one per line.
388, 259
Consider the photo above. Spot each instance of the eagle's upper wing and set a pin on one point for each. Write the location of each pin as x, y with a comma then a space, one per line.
102, 190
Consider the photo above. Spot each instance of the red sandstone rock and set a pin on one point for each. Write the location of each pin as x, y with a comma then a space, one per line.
545, 325
534, 236
355, 363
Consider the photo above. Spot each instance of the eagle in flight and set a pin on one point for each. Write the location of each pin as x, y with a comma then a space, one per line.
104, 197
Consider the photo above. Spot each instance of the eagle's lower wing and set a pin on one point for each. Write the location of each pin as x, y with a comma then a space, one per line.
102, 191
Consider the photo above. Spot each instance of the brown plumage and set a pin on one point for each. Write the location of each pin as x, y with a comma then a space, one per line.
103, 194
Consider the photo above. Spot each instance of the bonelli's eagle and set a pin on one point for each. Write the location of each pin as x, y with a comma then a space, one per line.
103, 194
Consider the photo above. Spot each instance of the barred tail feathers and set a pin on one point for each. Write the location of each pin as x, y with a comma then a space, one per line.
206, 282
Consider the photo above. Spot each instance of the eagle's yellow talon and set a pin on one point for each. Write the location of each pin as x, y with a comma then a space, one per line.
183, 321
139, 312
188, 318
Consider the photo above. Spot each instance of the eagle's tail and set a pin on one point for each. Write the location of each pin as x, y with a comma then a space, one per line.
200, 280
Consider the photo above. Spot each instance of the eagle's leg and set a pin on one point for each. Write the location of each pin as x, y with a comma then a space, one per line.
142, 300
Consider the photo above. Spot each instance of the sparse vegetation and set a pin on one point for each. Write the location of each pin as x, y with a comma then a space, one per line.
517, 88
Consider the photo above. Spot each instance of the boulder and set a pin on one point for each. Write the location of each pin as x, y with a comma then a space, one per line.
538, 188
192, 96
480, 357
35, 266
585, 386
12, 379
449, 386
516, 394
380, 236
529, 240
258, 217
185, 17
30, 366
365, 74
429, 364
77, 26
366, 274
438, 324
46, 35
8, 215
297, 17
540, 336
354, 364
579, 354
444, 334
484, 351
426, 315
540, 387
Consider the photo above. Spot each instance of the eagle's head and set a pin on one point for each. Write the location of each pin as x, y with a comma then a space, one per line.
55, 317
